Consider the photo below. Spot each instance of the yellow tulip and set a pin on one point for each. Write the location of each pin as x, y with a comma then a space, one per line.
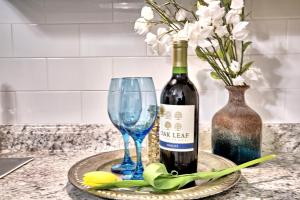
98, 178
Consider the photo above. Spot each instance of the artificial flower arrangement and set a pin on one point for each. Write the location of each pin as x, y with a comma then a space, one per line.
216, 29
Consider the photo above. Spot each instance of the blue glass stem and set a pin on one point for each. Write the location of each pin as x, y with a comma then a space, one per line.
138, 173
127, 158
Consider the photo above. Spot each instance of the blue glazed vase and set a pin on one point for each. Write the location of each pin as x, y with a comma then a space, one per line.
237, 129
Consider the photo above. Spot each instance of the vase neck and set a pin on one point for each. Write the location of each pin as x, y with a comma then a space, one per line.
237, 94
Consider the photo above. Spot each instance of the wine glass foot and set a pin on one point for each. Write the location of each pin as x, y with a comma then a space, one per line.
126, 177
124, 169
137, 177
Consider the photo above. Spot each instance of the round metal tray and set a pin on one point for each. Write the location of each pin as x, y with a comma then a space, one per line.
206, 162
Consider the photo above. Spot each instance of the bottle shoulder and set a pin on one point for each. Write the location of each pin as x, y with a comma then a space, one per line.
179, 92
175, 84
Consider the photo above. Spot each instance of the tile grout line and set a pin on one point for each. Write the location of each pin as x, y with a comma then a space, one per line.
79, 41
12, 41
287, 36
81, 106
284, 105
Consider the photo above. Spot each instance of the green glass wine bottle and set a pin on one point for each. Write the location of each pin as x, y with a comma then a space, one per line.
179, 117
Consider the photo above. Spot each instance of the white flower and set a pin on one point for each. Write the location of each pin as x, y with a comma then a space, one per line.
253, 74
221, 31
239, 31
161, 43
160, 48
184, 33
181, 15
237, 4
141, 26
211, 14
151, 39
205, 32
147, 13
163, 36
198, 34
235, 66
238, 81
233, 17
216, 12
217, 22
161, 31
203, 12
203, 43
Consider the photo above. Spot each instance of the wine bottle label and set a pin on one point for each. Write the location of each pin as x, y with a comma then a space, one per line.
176, 130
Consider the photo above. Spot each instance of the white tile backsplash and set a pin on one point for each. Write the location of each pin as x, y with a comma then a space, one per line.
33, 40
199, 73
5, 40
268, 103
24, 11
94, 107
8, 110
23, 74
268, 36
57, 58
274, 9
280, 71
127, 10
292, 108
293, 32
208, 108
158, 67
78, 11
48, 107
111, 40
79, 73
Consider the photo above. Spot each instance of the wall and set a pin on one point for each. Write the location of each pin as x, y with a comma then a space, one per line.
57, 57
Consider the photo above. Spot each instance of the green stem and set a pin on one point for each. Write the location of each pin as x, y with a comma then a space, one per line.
242, 56
223, 50
215, 175
192, 12
227, 75
163, 16
215, 67
232, 44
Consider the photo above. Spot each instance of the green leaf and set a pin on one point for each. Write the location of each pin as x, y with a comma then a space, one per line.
200, 54
158, 177
246, 45
246, 67
220, 54
214, 75
221, 173
153, 171
203, 55
230, 50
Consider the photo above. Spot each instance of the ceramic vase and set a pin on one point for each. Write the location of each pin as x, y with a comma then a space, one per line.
237, 129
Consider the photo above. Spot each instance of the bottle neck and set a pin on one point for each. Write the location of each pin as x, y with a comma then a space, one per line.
180, 58
237, 94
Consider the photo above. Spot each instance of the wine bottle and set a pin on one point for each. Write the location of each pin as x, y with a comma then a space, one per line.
179, 110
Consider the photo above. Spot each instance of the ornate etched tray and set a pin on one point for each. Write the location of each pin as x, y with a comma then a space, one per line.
103, 161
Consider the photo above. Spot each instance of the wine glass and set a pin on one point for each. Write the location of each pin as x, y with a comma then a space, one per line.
127, 166
138, 110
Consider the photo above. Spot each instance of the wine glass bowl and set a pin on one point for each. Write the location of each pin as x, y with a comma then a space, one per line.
113, 107
138, 112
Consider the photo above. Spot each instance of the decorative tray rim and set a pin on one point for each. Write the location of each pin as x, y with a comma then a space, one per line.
200, 191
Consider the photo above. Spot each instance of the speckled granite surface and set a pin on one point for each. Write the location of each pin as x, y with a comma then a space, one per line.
276, 137
57, 148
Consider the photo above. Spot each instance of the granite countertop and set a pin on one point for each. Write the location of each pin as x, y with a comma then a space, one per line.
46, 176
